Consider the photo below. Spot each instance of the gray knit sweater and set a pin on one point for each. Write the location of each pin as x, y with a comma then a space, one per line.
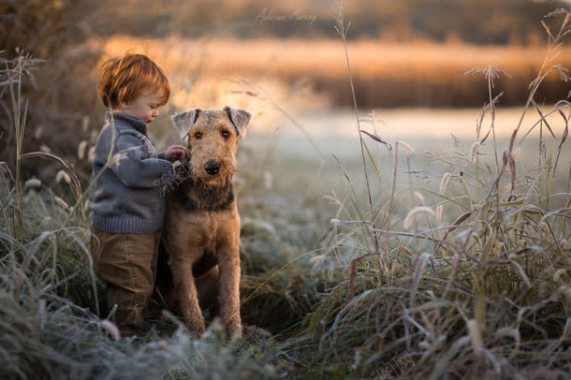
125, 196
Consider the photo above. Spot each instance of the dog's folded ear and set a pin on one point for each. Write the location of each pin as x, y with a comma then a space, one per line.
182, 121
239, 118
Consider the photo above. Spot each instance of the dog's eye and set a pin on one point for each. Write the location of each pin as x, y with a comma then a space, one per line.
225, 134
198, 135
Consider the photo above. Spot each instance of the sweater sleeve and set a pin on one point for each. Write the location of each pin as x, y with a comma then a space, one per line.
131, 164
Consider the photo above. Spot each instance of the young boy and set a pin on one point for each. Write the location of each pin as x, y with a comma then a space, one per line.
128, 209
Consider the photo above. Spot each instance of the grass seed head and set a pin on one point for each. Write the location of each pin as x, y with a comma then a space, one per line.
444, 182
415, 213
33, 183
60, 202
439, 210
111, 329
82, 147
419, 198
91, 154
62, 175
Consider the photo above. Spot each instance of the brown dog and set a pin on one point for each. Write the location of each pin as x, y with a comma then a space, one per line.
202, 229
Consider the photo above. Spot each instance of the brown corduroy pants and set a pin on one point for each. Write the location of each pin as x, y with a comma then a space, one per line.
127, 263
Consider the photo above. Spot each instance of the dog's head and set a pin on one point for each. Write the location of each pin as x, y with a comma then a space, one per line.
213, 137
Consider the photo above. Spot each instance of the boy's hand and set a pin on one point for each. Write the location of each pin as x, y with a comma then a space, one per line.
175, 152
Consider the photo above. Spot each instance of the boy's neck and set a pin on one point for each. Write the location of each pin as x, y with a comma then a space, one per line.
119, 110
138, 123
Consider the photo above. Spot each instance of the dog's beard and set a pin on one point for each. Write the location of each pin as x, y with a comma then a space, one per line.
202, 178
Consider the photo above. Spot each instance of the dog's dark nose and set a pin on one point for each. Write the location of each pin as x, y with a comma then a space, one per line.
212, 167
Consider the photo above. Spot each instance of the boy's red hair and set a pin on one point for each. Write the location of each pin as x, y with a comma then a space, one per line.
123, 79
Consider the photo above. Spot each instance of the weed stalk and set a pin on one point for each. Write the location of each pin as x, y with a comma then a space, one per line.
342, 29
19, 118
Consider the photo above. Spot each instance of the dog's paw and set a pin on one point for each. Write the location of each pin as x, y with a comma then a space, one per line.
234, 328
197, 327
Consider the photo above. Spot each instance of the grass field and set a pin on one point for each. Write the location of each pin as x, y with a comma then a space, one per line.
402, 257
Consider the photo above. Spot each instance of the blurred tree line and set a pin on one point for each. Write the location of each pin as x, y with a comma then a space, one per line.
60, 89
472, 21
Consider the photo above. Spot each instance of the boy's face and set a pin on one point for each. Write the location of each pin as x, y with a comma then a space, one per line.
144, 107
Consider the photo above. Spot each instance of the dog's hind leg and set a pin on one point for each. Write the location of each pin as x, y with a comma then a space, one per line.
165, 294
207, 287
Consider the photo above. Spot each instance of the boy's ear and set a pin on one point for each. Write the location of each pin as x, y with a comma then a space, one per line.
239, 118
182, 121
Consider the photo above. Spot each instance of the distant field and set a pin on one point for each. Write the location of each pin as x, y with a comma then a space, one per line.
386, 75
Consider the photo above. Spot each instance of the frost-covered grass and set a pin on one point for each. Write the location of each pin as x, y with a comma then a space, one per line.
432, 266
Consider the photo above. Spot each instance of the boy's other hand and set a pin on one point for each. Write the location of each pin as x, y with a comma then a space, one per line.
175, 152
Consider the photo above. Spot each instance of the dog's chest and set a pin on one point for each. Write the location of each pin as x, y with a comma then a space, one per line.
203, 219
202, 229
191, 197
208, 229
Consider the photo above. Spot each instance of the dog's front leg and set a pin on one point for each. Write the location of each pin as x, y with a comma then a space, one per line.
187, 294
229, 289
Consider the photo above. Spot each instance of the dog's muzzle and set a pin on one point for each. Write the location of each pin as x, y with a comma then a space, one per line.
212, 167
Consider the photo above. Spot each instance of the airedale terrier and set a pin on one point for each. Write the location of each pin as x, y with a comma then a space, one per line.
202, 228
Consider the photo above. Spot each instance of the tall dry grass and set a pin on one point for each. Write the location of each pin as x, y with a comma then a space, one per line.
474, 281
470, 279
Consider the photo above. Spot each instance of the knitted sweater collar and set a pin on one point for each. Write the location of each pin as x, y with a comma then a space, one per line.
132, 121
